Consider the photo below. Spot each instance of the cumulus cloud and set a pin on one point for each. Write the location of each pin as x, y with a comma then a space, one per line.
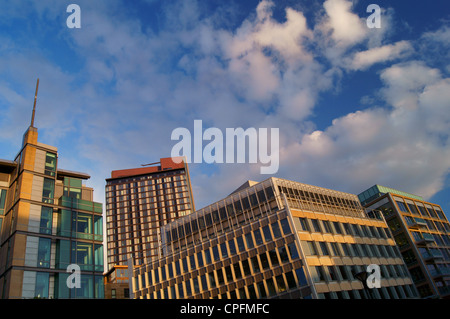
136, 83
346, 27
407, 150
364, 59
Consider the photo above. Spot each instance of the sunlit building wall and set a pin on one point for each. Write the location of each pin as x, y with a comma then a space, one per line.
274, 239
422, 233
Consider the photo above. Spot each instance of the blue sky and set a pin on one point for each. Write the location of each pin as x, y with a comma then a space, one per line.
355, 106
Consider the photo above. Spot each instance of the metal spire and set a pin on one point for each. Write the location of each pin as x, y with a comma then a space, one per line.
34, 106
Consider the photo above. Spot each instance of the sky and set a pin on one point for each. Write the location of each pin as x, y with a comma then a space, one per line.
355, 106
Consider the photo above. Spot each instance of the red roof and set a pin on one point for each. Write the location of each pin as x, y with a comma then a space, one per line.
165, 164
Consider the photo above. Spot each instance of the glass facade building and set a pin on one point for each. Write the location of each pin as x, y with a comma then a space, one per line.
274, 239
49, 221
139, 202
422, 233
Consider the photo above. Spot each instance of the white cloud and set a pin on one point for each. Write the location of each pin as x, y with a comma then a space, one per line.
364, 59
346, 27
408, 150
137, 85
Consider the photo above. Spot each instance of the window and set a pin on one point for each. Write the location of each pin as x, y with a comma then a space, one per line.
237, 270
276, 230
50, 164
290, 279
216, 253
232, 247
249, 240
43, 259
293, 251
264, 261
332, 272
2, 201
324, 248
200, 259
258, 237
318, 273
223, 248
327, 226
335, 248
285, 226
337, 227
347, 229
255, 264
312, 248
283, 254
82, 255
246, 267
82, 225
42, 285
273, 257
280, 283
45, 226
48, 190
316, 225
402, 207
267, 234
301, 277
240, 243
208, 256
304, 224
343, 271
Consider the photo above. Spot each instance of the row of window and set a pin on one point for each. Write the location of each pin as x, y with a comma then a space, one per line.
318, 198
420, 210
391, 292
338, 228
344, 273
220, 211
247, 267
134, 182
254, 238
262, 289
322, 248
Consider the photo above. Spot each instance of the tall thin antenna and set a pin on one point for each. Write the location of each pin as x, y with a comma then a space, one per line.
34, 106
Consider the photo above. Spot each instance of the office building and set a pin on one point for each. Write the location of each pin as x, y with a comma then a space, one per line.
139, 202
274, 239
422, 233
48, 222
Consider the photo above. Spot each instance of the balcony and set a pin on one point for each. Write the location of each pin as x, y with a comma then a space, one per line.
445, 271
417, 223
424, 239
432, 254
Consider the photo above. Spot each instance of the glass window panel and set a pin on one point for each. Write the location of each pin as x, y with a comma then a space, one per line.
42, 285
276, 230
285, 226
44, 246
249, 240
2, 201
258, 237
82, 255
240, 243
46, 220
267, 234
50, 164
48, 190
